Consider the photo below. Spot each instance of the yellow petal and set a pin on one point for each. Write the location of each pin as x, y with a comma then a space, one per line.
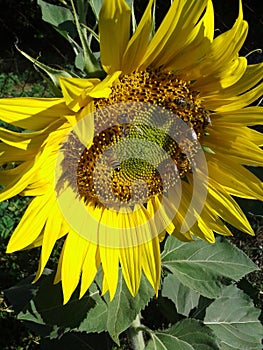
229, 75
151, 262
246, 116
252, 75
206, 229
114, 32
28, 230
198, 45
57, 277
232, 131
130, 260
52, 232
10, 154
223, 205
89, 268
138, 43
110, 265
103, 89
19, 140
215, 223
234, 147
109, 255
181, 220
222, 51
73, 88
17, 179
236, 102
162, 218
32, 113
176, 27
235, 178
130, 255
73, 258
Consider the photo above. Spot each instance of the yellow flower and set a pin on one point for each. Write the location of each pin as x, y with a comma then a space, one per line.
114, 210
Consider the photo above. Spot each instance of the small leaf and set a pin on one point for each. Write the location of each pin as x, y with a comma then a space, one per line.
204, 267
184, 298
234, 320
79, 61
185, 335
54, 14
59, 17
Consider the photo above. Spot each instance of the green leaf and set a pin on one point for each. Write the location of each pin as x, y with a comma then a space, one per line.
124, 308
185, 335
184, 298
79, 61
59, 17
53, 14
41, 304
204, 267
234, 320
116, 316
47, 308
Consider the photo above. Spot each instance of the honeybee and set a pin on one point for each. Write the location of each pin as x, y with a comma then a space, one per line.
112, 160
183, 164
181, 102
206, 116
123, 119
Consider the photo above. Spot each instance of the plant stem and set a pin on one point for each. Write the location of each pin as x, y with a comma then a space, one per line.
135, 335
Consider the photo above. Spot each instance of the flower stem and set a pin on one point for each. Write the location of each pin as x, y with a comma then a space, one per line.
135, 335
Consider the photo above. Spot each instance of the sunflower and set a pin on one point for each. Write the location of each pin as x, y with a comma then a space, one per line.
159, 145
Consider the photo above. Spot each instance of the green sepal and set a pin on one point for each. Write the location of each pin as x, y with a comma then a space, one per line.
53, 73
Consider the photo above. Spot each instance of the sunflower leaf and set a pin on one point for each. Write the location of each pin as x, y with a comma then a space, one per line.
205, 267
184, 298
188, 334
124, 308
41, 305
59, 17
234, 320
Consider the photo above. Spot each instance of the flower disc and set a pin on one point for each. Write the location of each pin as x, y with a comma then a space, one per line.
125, 182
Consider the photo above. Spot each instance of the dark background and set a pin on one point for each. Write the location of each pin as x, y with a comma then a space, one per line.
21, 21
